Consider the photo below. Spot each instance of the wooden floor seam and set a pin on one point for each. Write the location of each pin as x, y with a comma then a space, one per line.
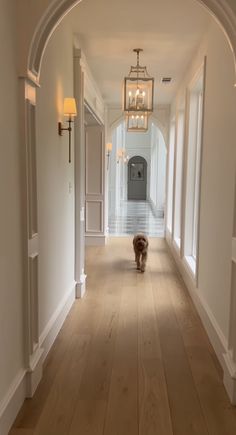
132, 357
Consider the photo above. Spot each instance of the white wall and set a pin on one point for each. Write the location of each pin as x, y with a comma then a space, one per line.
218, 176
157, 171
116, 171
55, 178
11, 288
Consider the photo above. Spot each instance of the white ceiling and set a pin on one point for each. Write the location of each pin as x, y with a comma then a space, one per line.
169, 31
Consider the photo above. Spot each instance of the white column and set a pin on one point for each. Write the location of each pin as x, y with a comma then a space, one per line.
230, 356
33, 351
79, 159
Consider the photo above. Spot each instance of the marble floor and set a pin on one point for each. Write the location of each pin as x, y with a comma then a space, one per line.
134, 217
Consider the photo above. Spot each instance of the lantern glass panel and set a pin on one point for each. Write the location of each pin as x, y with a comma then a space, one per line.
138, 94
137, 122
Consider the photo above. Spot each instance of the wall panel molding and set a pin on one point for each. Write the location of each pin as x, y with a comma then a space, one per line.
94, 216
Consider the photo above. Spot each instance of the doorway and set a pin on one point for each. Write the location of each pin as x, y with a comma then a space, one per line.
137, 178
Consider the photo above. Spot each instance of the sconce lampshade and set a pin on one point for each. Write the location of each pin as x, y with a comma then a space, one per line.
69, 107
109, 146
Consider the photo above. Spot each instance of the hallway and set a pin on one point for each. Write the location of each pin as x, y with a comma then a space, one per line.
134, 217
132, 357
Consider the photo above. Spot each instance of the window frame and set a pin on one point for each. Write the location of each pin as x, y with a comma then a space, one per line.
193, 170
171, 177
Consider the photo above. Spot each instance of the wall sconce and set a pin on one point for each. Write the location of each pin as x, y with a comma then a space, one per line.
120, 154
126, 159
109, 149
69, 109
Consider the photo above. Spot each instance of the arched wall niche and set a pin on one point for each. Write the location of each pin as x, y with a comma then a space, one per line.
55, 11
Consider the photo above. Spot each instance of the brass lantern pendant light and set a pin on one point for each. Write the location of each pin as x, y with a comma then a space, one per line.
137, 122
138, 88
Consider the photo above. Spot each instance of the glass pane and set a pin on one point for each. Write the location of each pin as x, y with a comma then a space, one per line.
138, 95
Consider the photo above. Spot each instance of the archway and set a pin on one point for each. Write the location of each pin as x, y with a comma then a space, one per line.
49, 19
137, 178
52, 14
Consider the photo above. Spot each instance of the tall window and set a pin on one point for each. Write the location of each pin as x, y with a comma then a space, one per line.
178, 177
197, 176
193, 172
170, 176
153, 171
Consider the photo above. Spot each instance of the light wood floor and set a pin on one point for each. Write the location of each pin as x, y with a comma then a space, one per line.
132, 357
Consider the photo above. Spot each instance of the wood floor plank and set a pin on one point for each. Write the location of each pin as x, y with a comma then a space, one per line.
122, 409
86, 324
32, 409
96, 378
58, 411
21, 432
89, 417
154, 412
219, 415
186, 411
132, 357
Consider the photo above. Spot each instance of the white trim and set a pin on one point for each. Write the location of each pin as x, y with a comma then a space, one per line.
12, 402
35, 372
177, 244
191, 264
26, 381
213, 330
98, 240
230, 376
191, 147
216, 336
234, 249
81, 286
55, 323
52, 15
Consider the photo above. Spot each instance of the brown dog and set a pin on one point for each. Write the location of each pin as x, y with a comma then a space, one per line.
140, 243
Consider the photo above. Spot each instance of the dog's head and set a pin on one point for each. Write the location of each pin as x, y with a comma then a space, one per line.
140, 242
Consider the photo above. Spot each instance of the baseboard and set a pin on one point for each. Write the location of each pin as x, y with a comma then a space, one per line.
81, 286
211, 326
51, 330
12, 402
34, 372
26, 382
230, 376
92, 240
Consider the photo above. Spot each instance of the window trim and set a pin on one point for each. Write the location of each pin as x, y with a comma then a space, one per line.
194, 268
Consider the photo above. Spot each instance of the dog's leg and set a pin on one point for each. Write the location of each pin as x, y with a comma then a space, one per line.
137, 259
143, 262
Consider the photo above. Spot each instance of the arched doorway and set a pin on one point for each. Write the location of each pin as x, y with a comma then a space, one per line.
137, 178
49, 19
50, 15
